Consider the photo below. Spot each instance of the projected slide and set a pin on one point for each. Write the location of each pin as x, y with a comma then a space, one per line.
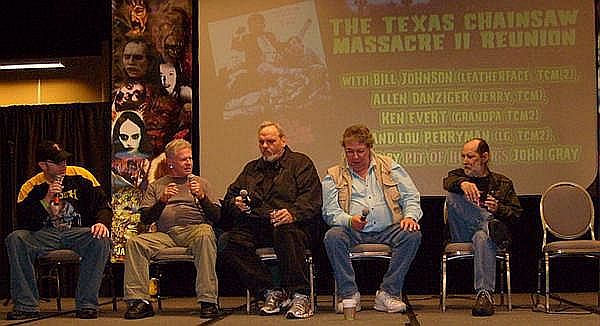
425, 76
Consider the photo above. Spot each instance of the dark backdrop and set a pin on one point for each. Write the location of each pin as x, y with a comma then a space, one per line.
84, 130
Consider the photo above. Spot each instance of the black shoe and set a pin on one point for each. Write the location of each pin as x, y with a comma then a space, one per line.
209, 310
484, 304
139, 309
87, 313
20, 315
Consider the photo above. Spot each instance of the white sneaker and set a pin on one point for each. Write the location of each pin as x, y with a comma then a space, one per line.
388, 303
339, 307
300, 307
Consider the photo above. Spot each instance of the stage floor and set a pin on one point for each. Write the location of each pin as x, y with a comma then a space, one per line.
424, 311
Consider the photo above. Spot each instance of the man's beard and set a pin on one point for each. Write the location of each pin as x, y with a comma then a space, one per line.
273, 157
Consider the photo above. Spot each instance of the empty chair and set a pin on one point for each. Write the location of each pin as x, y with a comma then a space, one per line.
567, 213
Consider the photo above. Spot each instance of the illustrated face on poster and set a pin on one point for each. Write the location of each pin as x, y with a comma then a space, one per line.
130, 96
130, 136
168, 77
138, 16
170, 34
135, 60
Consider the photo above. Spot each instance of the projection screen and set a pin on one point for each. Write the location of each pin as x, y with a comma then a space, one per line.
425, 76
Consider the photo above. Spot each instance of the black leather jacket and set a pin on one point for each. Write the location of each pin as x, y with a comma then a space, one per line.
501, 188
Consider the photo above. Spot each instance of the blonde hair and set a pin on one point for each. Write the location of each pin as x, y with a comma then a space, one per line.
176, 145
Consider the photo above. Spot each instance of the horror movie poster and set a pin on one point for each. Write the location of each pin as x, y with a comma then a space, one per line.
151, 100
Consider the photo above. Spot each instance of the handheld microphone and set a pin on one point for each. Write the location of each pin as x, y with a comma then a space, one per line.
245, 199
191, 177
363, 216
56, 199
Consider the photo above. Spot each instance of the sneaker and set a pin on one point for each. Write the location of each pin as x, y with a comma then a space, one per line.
300, 307
388, 303
339, 307
484, 304
209, 310
276, 301
20, 315
87, 313
139, 309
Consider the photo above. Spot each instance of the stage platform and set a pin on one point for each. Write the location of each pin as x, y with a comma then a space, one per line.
424, 311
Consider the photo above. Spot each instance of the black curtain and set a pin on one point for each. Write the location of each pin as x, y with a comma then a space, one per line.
82, 128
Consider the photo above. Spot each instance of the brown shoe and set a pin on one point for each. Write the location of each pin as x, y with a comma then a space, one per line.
484, 304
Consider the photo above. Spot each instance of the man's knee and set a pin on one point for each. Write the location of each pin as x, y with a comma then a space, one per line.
16, 237
480, 238
287, 233
334, 235
414, 237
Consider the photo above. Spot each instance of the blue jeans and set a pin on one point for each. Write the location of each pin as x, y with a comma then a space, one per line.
25, 246
469, 223
339, 240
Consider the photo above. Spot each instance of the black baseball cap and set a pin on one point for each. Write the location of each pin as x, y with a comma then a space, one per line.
49, 150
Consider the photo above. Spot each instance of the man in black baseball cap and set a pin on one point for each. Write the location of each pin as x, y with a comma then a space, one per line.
49, 150
62, 207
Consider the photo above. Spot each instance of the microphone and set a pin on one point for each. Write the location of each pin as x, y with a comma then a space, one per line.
364, 214
191, 177
245, 199
56, 199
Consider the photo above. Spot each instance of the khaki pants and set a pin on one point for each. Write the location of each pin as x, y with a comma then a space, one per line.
201, 240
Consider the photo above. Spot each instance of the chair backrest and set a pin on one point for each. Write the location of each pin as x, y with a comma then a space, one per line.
567, 211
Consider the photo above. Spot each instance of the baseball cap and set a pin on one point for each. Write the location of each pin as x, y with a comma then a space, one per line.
49, 150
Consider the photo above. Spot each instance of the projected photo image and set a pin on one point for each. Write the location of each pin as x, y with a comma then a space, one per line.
270, 61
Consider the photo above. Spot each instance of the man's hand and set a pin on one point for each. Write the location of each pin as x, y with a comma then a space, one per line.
410, 225
357, 222
281, 216
491, 203
99, 231
471, 191
239, 203
170, 191
54, 188
196, 189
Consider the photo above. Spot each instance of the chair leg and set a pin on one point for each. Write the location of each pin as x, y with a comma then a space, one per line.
547, 266
335, 296
598, 299
502, 275
58, 276
111, 282
508, 287
443, 278
158, 294
248, 301
311, 275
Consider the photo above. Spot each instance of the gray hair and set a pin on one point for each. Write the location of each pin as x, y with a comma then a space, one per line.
266, 124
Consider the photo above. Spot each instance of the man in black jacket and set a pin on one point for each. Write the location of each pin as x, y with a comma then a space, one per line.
275, 201
62, 207
477, 195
